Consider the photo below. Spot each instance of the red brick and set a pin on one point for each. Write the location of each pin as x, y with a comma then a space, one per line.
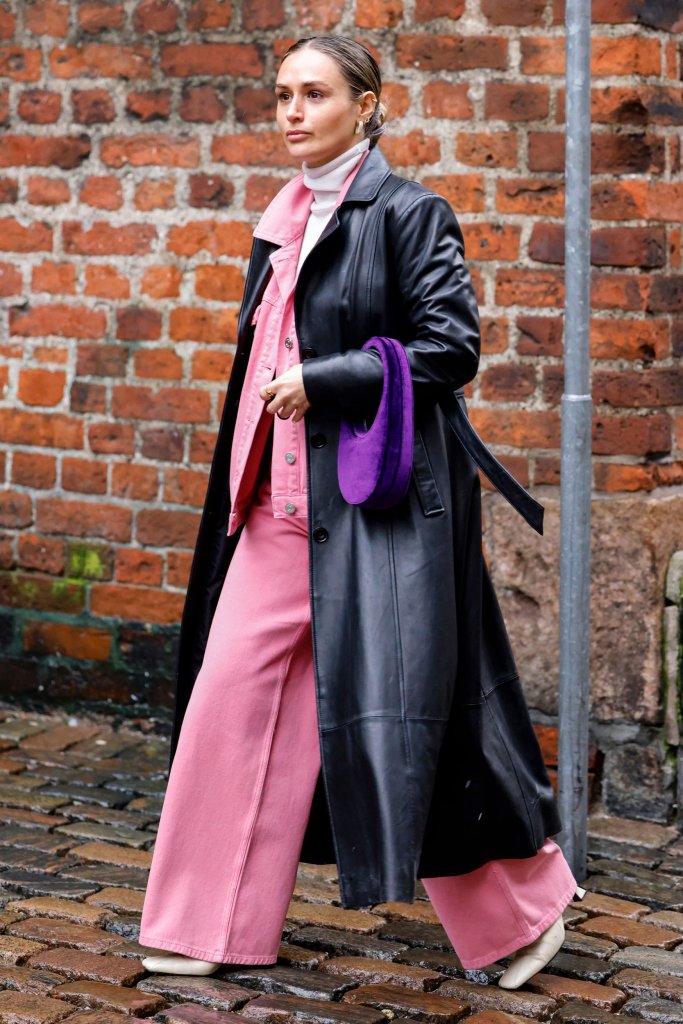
15, 509
103, 192
41, 191
465, 192
446, 99
518, 428
610, 154
213, 14
201, 103
428, 10
58, 318
84, 476
639, 390
185, 486
619, 477
378, 13
20, 64
155, 16
230, 238
162, 443
620, 200
542, 197
106, 282
516, 102
42, 593
632, 435
41, 387
208, 326
507, 382
256, 14
32, 470
182, 405
92, 106
14, 237
223, 283
97, 15
103, 239
187, 59
66, 152
634, 339
491, 241
494, 334
624, 55
86, 642
178, 565
210, 364
263, 149
46, 554
487, 149
160, 363
101, 60
509, 12
137, 481
131, 603
539, 335
39, 106
150, 150
47, 17
87, 397
620, 247
10, 280
135, 323
7, 23
101, 360
155, 195
54, 355
529, 287
153, 105
620, 291
57, 278
83, 519
167, 528
133, 565
161, 282
49, 430
646, 104
430, 52
210, 191
111, 438
8, 190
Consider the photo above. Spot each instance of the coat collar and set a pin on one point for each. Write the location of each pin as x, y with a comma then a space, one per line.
293, 201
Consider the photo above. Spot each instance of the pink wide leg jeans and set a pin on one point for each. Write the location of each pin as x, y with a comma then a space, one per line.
242, 781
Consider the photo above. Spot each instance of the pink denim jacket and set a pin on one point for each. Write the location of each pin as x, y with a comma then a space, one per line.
274, 349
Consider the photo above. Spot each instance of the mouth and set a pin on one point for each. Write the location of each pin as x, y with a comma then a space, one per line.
297, 135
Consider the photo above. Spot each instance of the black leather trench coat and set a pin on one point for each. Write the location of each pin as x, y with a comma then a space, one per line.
430, 765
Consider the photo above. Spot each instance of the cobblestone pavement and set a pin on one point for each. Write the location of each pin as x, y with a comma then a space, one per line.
79, 804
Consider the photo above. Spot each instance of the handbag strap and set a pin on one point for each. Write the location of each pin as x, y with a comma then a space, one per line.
511, 489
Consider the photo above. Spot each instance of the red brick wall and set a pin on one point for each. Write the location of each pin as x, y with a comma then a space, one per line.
137, 151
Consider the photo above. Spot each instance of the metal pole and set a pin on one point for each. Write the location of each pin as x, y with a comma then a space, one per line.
575, 490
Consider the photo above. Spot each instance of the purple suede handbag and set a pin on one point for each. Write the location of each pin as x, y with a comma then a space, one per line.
374, 465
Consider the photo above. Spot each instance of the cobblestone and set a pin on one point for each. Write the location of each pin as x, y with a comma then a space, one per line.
78, 822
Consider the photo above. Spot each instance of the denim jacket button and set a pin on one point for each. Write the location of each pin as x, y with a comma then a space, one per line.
290, 507
290, 457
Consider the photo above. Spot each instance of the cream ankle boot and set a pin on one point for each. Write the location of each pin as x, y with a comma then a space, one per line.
531, 959
176, 963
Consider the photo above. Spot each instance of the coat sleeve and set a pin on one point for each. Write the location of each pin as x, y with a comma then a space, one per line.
442, 321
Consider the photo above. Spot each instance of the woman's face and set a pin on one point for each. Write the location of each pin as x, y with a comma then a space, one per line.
314, 99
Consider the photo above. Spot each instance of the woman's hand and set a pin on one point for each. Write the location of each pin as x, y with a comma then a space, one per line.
286, 394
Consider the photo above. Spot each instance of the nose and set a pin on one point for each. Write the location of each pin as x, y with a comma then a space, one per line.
293, 112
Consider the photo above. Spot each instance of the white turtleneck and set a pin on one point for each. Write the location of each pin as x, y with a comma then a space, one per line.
326, 182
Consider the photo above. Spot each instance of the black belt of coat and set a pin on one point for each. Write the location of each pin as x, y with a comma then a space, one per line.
519, 498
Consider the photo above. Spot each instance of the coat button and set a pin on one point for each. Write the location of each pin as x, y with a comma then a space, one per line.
290, 507
288, 342
318, 440
307, 352
290, 457
320, 534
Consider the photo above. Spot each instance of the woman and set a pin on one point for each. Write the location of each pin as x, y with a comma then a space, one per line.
346, 689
